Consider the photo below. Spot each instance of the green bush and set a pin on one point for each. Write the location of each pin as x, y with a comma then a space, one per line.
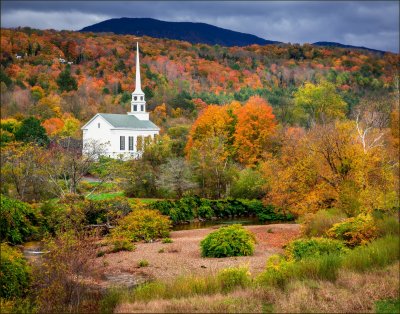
355, 230
142, 224
18, 220
303, 248
228, 241
122, 245
190, 207
106, 211
14, 273
233, 277
167, 240
143, 263
317, 224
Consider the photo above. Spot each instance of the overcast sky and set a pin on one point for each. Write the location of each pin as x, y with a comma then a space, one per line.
373, 24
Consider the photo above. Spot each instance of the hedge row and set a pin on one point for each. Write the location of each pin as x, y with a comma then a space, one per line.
189, 208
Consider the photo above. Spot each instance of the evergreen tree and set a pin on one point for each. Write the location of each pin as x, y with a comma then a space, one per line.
32, 131
66, 82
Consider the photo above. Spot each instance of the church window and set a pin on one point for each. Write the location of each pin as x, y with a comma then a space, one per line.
98, 125
134, 107
135, 97
141, 97
122, 142
130, 142
141, 107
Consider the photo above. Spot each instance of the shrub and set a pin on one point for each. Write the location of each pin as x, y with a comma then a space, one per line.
233, 277
14, 271
17, 220
303, 248
354, 231
317, 224
227, 241
167, 240
106, 211
142, 224
190, 207
143, 263
122, 245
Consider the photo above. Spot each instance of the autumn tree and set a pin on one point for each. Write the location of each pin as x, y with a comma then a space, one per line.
255, 125
329, 167
21, 174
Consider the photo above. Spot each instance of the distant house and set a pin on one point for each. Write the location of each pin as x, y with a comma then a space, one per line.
61, 60
18, 56
124, 135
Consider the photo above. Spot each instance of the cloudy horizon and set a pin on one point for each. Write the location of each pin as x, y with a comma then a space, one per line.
373, 24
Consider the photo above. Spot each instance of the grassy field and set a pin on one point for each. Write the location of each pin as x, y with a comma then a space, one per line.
111, 195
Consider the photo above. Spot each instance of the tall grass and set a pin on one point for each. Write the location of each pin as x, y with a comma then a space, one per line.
376, 254
280, 272
388, 225
182, 287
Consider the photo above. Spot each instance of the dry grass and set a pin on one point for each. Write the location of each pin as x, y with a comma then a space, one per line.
351, 293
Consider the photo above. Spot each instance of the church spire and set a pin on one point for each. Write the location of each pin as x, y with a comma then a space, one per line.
138, 88
138, 103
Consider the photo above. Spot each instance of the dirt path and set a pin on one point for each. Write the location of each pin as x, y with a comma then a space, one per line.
182, 257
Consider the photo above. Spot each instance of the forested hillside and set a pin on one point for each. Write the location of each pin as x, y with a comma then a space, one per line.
180, 75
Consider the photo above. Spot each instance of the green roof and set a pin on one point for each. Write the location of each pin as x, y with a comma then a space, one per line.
128, 121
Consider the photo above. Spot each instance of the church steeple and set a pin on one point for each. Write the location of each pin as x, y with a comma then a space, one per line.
138, 88
138, 103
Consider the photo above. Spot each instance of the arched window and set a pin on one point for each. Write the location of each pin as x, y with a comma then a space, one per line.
98, 125
141, 108
134, 107
141, 97
134, 97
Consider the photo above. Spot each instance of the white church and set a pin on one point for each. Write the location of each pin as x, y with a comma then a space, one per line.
123, 135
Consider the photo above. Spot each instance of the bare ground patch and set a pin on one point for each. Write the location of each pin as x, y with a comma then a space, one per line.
182, 257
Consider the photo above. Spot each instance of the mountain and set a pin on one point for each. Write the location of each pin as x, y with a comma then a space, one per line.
339, 45
187, 31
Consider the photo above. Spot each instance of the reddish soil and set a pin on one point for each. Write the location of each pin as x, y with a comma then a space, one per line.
182, 257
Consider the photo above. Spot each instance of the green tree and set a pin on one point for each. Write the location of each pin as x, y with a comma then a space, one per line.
32, 131
319, 103
66, 82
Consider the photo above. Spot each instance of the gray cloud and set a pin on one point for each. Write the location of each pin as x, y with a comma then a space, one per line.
373, 24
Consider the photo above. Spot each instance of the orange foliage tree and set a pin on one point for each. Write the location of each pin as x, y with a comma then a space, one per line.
255, 125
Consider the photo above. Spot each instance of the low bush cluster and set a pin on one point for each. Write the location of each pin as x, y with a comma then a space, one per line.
317, 224
189, 208
355, 230
14, 273
142, 224
106, 211
18, 220
304, 248
228, 241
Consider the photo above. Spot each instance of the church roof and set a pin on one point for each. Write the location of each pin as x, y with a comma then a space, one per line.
125, 121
